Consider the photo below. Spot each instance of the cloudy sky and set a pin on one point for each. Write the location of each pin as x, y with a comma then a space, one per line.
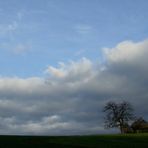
62, 60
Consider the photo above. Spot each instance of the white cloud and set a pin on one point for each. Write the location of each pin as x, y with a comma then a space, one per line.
80, 52
13, 26
73, 71
83, 29
8, 29
127, 51
21, 48
20, 15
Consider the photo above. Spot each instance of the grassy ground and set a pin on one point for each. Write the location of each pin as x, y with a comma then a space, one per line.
101, 141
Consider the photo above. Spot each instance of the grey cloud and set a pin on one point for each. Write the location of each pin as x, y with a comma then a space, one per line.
71, 99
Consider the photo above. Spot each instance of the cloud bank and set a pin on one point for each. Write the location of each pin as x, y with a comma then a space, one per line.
70, 100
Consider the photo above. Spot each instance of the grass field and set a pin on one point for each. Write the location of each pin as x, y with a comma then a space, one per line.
101, 141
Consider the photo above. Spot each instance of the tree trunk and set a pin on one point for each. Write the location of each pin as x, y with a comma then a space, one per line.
121, 130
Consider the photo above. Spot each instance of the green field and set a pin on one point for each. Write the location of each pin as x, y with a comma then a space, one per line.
101, 141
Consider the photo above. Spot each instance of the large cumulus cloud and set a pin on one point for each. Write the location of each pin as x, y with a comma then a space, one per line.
70, 99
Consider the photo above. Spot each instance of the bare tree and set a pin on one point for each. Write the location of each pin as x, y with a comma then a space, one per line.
118, 114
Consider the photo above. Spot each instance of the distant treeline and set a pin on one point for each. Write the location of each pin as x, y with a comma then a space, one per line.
138, 126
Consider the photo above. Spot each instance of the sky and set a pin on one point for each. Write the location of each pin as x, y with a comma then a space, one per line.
61, 61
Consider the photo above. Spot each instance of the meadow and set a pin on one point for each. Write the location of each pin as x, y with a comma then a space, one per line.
94, 141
